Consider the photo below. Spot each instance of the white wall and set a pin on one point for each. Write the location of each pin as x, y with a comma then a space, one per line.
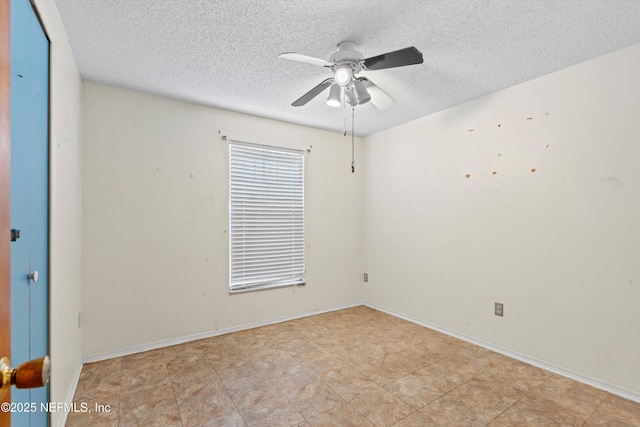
65, 209
558, 246
155, 206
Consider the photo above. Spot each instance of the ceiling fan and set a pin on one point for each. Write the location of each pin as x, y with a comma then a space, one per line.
346, 63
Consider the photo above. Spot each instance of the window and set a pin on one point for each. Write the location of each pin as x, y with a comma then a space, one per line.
266, 218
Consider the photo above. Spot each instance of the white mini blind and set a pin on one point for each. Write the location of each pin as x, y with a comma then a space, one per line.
266, 201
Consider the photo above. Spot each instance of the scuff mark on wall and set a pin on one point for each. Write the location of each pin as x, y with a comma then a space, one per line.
614, 181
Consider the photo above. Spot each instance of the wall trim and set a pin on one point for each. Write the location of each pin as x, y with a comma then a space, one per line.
62, 420
613, 389
194, 337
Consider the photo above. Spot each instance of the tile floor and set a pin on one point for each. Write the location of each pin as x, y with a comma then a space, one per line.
354, 367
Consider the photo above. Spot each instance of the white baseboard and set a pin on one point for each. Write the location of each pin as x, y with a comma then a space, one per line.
70, 393
613, 389
182, 340
619, 391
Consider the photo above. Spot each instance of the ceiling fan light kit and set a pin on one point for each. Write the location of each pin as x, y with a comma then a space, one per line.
334, 96
352, 98
345, 63
343, 76
361, 92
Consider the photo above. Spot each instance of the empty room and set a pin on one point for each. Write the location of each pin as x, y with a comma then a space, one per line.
364, 213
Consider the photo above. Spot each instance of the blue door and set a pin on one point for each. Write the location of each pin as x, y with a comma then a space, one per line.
29, 200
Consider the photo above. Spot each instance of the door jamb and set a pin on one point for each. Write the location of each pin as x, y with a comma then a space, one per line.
5, 188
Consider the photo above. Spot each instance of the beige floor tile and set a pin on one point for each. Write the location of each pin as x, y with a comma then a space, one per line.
111, 367
135, 361
621, 408
561, 406
527, 373
341, 416
146, 374
232, 419
194, 384
252, 390
305, 351
354, 367
493, 360
480, 396
414, 391
180, 350
106, 423
524, 415
272, 413
188, 364
295, 376
381, 371
411, 361
273, 361
604, 419
453, 412
315, 398
381, 407
417, 419
442, 377
351, 385
501, 382
202, 408
329, 365
218, 351
99, 409
161, 416
557, 386
245, 340
99, 378
147, 398
236, 370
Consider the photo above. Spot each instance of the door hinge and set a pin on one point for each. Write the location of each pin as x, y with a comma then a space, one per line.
15, 234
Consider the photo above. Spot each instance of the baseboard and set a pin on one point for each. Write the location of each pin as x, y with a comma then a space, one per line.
194, 337
70, 393
613, 389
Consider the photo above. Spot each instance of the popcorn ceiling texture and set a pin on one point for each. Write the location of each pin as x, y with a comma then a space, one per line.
225, 53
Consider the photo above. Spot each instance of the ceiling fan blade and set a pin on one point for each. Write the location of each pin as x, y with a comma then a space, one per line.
398, 58
304, 58
379, 98
312, 93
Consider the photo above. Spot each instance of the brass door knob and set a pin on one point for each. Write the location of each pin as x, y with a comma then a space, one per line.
31, 374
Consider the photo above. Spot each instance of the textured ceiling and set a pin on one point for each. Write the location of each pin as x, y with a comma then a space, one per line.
224, 53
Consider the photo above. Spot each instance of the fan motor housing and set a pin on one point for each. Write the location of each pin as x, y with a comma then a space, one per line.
346, 58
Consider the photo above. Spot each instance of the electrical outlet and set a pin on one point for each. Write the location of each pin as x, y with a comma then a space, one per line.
366, 277
499, 309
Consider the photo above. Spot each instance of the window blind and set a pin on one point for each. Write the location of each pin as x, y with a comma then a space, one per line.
266, 201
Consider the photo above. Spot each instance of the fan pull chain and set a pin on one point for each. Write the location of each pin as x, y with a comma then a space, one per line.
344, 113
353, 121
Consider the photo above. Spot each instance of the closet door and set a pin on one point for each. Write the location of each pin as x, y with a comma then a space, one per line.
29, 201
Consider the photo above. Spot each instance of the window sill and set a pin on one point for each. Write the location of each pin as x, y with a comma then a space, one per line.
264, 287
